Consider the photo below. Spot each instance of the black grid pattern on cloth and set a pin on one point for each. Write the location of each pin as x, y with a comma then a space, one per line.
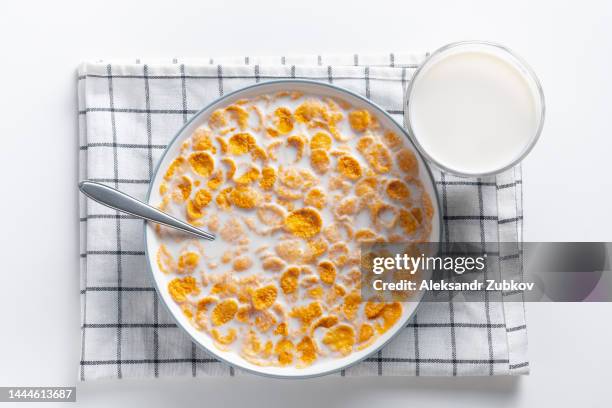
129, 111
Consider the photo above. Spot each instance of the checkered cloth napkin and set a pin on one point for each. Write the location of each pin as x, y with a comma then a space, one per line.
128, 112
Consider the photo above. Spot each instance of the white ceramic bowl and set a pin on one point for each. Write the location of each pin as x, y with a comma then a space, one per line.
152, 242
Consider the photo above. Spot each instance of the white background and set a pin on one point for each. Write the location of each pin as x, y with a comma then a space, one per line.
567, 178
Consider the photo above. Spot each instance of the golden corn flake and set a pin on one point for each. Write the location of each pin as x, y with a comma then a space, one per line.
206, 301
379, 158
268, 178
283, 120
165, 262
184, 187
224, 312
264, 297
180, 288
244, 197
227, 339
202, 163
365, 235
360, 120
327, 272
365, 186
202, 140
310, 111
223, 200
315, 248
315, 198
200, 200
366, 332
243, 314
215, 180
338, 253
259, 153
351, 305
177, 165
222, 144
284, 350
298, 143
242, 263
364, 144
264, 321
289, 280
304, 223
390, 314
320, 140
217, 119
340, 338
349, 167
407, 221
188, 261
241, 143
307, 313
319, 160
249, 176
308, 350
239, 115
398, 190
325, 321
407, 162
231, 167
392, 140
373, 309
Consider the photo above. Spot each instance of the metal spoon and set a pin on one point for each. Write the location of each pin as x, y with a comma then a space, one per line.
112, 198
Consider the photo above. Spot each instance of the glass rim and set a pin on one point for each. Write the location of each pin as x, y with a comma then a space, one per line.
520, 63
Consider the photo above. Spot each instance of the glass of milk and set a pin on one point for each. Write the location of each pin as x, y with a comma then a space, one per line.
474, 108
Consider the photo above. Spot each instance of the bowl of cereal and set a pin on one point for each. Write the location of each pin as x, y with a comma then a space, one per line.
292, 177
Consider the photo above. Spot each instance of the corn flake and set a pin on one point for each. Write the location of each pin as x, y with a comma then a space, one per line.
320, 140
349, 167
224, 312
241, 143
340, 338
202, 163
327, 272
319, 160
398, 190
239, 115
264, 297
315, 198
217, 119
407, 162
360, 120
283, 120
188, 261
244, 197
179, 288
379, 158
308, 350
289, 280
177, 165
268, 178
304, 223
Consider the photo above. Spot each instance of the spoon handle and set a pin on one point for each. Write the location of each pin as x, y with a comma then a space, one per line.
112, 198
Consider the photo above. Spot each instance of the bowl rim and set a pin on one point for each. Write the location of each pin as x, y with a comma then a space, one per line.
304, 82
520, 63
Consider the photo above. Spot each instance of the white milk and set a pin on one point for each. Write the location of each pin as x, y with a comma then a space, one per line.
474, 109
